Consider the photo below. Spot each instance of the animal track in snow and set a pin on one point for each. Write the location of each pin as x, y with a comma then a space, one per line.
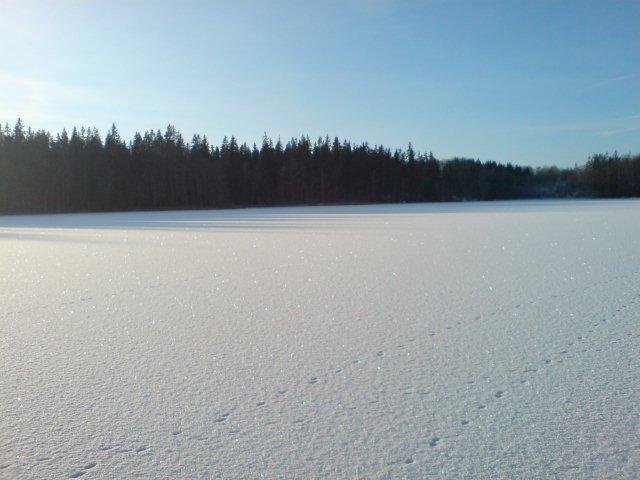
82, 470
222, 418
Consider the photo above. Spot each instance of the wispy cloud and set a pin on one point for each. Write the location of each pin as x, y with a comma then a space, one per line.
611, 81
617, 131
603, 128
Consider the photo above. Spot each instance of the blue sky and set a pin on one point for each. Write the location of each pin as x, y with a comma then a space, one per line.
530, 82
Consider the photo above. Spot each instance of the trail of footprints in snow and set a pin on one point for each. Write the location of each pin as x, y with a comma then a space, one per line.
499, 394
139, 450
432, 442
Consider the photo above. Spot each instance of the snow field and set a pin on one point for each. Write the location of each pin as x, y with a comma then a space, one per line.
479, 340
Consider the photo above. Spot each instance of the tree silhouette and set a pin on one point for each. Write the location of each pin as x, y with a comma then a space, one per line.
80, 172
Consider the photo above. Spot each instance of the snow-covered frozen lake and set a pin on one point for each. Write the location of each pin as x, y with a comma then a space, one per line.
471, 340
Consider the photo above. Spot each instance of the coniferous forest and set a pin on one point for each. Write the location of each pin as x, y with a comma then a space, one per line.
80, 172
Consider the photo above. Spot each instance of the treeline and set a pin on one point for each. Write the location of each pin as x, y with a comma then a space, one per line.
81, 172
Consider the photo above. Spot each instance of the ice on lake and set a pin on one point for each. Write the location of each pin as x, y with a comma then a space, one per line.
469, 340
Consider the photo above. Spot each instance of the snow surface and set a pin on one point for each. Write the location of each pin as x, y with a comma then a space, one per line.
477, 340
